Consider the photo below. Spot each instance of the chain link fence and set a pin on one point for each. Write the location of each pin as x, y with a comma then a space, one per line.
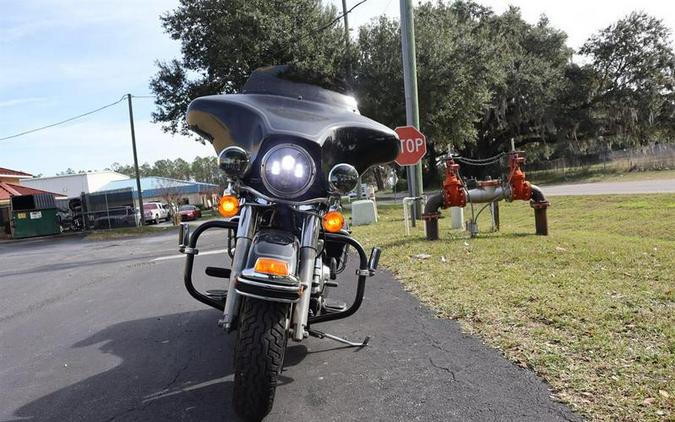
99, 211
649, 157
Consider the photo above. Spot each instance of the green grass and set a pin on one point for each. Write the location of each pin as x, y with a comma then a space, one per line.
596, 173
591, 307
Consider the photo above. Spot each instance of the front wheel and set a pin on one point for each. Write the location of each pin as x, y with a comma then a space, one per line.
258, 356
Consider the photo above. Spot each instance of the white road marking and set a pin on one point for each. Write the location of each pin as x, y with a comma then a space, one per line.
164, 258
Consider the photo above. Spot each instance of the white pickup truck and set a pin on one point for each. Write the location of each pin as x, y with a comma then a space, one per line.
153, 212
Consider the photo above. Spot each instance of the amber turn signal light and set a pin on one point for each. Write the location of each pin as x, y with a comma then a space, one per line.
333, 221
228, 206
271, 266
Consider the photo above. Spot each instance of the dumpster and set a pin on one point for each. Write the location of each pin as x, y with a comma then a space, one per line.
34, 215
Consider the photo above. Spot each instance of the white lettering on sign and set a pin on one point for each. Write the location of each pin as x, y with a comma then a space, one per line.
411, 144
34, 215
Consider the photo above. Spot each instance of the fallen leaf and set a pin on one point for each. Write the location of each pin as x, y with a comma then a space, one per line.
466, 243
443, 259
560, 249
664, 394
648, 401
422, 256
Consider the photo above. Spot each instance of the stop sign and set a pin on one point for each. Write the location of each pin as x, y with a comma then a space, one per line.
413, 145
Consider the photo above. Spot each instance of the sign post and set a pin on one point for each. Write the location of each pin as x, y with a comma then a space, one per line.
410, 88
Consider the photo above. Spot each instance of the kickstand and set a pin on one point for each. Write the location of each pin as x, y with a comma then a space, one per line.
321, 335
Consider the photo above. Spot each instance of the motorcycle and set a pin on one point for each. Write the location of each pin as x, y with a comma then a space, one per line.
289, 150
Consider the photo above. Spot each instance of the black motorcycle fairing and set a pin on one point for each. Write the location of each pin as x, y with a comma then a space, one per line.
226, 123
246, 120
273, 107
361, 147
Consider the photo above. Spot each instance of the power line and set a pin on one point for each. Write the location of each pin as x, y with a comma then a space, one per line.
331, 23
328, 25
315, 32
385, 8
70, 119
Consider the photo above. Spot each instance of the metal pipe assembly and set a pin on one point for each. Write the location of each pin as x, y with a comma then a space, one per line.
540, 204
457, 193
432, 214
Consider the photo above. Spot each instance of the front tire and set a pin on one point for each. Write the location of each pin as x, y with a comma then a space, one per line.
258, 356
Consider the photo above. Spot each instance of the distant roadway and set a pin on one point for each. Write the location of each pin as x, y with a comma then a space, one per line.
609, 188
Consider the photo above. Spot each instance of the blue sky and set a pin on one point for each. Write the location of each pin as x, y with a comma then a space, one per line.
62, 58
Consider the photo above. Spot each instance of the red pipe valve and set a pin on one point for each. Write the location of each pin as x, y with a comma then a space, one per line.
453, 189
520, 188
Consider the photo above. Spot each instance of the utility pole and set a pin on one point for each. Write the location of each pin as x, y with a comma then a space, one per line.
138, 175
349, 74
411, 107
348, 55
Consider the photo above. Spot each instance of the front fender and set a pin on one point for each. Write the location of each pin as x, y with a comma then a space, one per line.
276, 244
279, 245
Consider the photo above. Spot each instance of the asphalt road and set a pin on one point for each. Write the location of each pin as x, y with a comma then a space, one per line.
104, 331
610, 188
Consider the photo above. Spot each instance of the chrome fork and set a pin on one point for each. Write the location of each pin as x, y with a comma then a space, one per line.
308, 254
245, 231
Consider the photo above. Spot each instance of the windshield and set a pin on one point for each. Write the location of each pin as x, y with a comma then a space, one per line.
149, 206
187, 208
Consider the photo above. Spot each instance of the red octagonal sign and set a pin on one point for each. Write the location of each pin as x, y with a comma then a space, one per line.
413, 145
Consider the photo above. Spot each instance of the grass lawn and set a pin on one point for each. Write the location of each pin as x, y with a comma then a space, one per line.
591, 308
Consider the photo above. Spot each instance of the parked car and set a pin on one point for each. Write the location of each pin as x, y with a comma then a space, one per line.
154, 212
189, 212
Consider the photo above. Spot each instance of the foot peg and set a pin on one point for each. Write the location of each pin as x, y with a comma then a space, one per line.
332, 306
219, 295
322, 335
218, 272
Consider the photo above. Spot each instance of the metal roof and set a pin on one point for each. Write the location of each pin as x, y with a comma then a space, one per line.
7, 190
159, 186
15, 173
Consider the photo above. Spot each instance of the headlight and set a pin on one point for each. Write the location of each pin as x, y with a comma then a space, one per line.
342, 178
233, 161
287, 170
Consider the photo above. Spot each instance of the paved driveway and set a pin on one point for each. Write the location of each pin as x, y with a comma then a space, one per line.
104, 331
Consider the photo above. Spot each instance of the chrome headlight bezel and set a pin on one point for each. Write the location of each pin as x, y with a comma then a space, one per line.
269, 181
234, 161
343, 178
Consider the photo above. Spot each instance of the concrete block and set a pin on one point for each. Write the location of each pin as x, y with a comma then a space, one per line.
363, 212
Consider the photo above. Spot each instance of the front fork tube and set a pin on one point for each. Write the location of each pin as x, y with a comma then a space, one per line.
308, 254
245, 232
